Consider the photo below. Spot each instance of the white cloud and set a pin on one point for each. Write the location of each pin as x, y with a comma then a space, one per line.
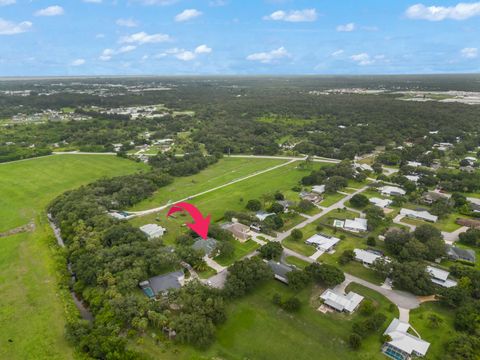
185, 55
337, 53
469, 53
362, 59
203, 49
11, 28
125, 49
54, 10
127, 23
346, 28
144, 38
268, 57
7, 2
293, 15
78, 62
461, 11
187, 14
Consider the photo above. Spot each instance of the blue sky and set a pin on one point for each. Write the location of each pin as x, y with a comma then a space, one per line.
169, 37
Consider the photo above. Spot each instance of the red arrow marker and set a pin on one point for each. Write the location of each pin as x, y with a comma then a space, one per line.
200, 224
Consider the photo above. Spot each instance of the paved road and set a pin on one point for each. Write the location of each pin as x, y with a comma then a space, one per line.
338, 205
160, 208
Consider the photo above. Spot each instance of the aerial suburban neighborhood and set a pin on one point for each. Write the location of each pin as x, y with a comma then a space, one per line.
239, 180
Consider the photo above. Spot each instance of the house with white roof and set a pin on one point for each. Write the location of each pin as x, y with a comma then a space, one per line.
322, 242
356, 225
413, 178
153, 231
403, 345
414, 163
262, 215
318, 189
342, 303
392, 191
440, 277
366, 257
382, 203
422, 215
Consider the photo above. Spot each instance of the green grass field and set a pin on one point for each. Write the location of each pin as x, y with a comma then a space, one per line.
258, 329
226, 170
32, 311
436, 336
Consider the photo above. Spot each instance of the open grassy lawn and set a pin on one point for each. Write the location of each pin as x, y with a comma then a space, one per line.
258, 329
290, 220
32, 306
205, 274
226, 170
299, 263
435, 336
330, 199
241, 250
299, 246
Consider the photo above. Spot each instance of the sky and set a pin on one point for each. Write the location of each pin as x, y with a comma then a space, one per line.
238, 37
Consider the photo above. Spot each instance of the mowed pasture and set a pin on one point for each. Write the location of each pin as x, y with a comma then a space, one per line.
258, 329
225, 170
32, 309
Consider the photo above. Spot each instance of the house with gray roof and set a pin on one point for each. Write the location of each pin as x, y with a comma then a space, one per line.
280, 270
206, 246
161, 284
456, 253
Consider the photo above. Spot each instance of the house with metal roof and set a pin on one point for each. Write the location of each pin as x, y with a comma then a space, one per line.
161, 284
153, 231
323, 242
420, 214
403, 345
280, 270
366, 257
356, 225
440, 277
381, 203
340, 302
319, 189
392, 191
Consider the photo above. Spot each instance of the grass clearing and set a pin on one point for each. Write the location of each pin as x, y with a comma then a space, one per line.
224, 171
32, 310
299, 263
241, 250
330, 199
258, 329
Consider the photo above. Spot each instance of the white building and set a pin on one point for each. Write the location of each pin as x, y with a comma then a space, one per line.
440, 277
152, 231
364, 167
422, 215
340, 302
357, 225
413, 178
403, 345
414, 163
366, 257
392, 191
382, 203
323, 242
319, 189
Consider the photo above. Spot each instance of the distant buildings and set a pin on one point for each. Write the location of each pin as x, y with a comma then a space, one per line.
161, 284
153, 231
403, 345
440, 277
414, 163
322, 242
339, 302
413, 178
421, 215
